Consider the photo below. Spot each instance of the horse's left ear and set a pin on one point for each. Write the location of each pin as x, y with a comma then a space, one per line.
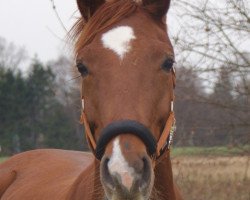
157, 8
88, 7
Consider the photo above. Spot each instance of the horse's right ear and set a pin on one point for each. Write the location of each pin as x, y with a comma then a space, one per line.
157, 8
88, 7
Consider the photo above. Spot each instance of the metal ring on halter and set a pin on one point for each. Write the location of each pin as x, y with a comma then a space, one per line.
172, 106
83, 104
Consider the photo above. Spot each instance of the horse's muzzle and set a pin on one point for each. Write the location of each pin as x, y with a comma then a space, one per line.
121, 184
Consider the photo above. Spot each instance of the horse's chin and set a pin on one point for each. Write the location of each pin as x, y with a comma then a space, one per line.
121, 197
121, 193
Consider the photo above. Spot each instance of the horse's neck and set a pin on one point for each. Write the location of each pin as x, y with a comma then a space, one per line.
164, 186
87, 186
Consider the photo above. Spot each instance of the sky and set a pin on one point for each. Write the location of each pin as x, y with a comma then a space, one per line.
33, 24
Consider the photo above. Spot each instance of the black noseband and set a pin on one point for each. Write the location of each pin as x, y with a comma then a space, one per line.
121, 127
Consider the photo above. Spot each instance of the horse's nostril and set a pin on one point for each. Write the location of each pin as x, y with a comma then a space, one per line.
138, 166
146, 173
106, 176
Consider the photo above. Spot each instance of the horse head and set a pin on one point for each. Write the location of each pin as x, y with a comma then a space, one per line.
126, 61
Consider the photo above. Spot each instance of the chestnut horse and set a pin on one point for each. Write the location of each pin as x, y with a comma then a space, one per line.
126, 61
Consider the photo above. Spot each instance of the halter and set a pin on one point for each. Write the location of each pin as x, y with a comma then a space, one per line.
155, 149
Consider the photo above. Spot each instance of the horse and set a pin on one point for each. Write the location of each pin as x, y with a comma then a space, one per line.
125, 59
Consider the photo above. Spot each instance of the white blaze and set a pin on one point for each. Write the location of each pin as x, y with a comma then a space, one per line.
117, 165
119, 40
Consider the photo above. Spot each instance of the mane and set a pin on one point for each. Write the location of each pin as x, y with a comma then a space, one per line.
105, 16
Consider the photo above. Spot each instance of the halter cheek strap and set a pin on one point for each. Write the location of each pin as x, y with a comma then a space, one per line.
88, 134
166, 137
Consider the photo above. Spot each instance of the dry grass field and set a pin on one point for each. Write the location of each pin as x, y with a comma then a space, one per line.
213, 177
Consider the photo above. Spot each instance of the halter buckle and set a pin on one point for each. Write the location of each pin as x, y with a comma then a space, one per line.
170, 139
171, 135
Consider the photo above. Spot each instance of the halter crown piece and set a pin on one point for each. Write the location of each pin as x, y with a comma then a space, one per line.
162, 145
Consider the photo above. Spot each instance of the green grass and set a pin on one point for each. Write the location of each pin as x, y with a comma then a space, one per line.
3, 159
201, 151
213, 151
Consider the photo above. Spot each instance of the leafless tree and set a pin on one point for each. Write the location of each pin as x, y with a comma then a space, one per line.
11, 56
214, 39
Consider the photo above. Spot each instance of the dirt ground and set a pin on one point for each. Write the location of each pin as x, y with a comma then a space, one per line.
213, 178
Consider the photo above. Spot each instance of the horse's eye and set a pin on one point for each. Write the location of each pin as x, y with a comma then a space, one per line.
168, 64
82, 69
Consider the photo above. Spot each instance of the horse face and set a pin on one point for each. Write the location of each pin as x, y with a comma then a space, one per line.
127, 82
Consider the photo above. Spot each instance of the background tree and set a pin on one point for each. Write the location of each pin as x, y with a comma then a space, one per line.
32, 115
213, 40
11, 55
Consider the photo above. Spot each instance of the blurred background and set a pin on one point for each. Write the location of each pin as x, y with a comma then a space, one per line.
40, 99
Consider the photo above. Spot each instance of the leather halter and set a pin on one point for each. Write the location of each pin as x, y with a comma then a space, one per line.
155, 149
